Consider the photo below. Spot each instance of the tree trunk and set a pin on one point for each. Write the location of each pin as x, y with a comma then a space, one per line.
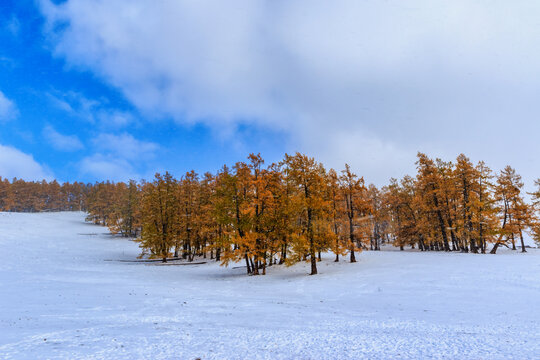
351, 239
522, 242
441, 223
283, 256
313, 258
253, 267
247, 264
494, 250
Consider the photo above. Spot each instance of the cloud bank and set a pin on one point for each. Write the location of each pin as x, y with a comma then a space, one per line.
117, 157
368, 82
15, 163
60, 141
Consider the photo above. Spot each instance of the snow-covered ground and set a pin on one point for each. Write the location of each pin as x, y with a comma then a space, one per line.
60, 298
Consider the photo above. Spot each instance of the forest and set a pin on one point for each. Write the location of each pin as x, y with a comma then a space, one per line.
295, 210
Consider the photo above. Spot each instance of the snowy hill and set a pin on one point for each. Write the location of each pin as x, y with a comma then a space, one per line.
60, 298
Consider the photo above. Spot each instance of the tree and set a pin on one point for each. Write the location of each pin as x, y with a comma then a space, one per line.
336, 213
6, 195
266, 185
399, 200
125, 215
379, 219
429, 183
356, 204
160, 215
308, 177
465, 181
484, 206
189, 214
535, 219
209, 229
515, 214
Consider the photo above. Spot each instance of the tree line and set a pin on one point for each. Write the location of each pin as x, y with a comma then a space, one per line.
261, 215
459, 206
295, 210
18, 195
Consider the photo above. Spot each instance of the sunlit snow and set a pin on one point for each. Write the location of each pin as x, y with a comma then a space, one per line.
62, 297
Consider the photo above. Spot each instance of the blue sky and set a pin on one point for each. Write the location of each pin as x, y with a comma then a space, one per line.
78, 127
96, 89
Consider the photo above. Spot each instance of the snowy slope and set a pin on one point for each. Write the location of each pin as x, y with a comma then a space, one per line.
60, 299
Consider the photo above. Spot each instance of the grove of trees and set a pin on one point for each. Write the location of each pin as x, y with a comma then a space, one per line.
295, 210
23, 196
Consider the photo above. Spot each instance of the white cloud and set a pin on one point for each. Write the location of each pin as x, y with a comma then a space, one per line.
8, 110
125, 146
393, 76
107, 167
118, 157
115, 119
60, 141
15, 163
61, 103
76, 104
91, 110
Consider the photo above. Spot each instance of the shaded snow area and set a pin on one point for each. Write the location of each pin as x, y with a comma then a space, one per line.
61, 299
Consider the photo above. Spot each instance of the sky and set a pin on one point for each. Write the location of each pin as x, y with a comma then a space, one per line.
109, 89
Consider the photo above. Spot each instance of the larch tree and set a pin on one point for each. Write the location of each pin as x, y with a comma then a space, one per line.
266, 185
6, 195
357, 207
309, 179
535, 219
378, 218
449, 196
188, 216
336, 213
125, 216
515, 214
210, 230
287, 206
484, 206
160, 220
465, 181
224, 213
429, 182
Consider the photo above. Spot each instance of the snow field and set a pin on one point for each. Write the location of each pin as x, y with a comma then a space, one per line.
60, 299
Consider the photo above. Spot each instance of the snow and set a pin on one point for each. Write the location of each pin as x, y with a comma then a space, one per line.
61, 299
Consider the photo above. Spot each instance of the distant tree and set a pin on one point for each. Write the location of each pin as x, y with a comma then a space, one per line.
125, 216
6, 195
